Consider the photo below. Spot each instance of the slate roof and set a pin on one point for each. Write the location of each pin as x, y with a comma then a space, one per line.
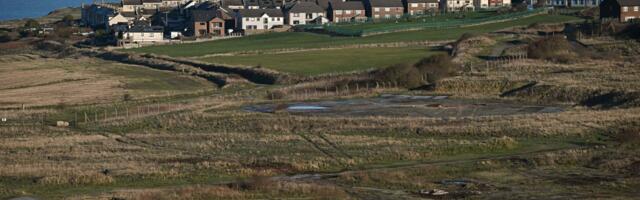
227, 3
208, 15
260, 12
146, 29
304, 7
347, 5
422, 1
131, 2
386, 3
629, 2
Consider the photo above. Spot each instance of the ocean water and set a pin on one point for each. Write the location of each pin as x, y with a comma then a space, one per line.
18, 9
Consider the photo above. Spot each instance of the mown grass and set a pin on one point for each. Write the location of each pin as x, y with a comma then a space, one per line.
145, 79
327, 61
417, 20
311, 40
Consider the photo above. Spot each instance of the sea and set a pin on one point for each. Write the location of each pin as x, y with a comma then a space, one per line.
19, 9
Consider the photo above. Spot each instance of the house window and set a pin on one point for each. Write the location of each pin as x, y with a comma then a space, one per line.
387, 9
296, 22
309, 16
376, 16
358, 12
252, 19
414, 5
347, 12
387, 16
339, 12
635, 8
625, 9
202, 23
377, 9
296, 14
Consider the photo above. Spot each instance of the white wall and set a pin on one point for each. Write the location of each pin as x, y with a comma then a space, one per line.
302, 17
259, 22
144, 37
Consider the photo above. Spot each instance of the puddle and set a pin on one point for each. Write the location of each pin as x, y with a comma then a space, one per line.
306, 108
404, 105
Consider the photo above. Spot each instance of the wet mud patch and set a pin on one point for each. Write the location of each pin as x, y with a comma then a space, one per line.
404, 106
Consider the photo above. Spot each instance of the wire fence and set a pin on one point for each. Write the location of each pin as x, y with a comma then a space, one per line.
417, 24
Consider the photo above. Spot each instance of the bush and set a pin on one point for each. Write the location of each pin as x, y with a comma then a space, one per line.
554, 48
427, 71
5, 37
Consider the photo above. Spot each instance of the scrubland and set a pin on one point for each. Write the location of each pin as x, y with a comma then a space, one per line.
141, 133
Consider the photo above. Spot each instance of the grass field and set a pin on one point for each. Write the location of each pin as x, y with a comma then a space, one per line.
25, 80
311, 40
327, 61
417, 20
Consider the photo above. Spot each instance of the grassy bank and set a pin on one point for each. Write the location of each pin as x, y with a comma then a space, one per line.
311, 40
327, 61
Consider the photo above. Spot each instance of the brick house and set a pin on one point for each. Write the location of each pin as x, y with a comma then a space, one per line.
346, 11
623, 10
301, 12
419, 7
384, 9
207, 23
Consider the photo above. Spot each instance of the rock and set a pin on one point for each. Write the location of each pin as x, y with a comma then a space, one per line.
62, 124
434, 192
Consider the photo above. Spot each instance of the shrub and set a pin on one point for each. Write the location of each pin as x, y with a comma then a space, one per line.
426, 71
554, 48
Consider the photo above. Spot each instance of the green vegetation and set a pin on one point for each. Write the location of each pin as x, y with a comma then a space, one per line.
311, 40
327, 61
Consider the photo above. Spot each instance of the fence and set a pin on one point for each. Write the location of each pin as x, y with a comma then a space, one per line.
453, 23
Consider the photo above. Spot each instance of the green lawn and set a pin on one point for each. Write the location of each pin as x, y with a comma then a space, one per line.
311, 40
417, 20
327, 61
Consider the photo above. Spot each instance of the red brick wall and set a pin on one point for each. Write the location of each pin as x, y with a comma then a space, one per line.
630, 13
381, 12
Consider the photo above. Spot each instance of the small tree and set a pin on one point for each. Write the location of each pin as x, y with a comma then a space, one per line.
31, 23
68, 20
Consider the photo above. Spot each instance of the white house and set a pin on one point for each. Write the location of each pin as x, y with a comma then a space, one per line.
457, 5
117, 19
144, 34
259, 19
301, 12
491, 3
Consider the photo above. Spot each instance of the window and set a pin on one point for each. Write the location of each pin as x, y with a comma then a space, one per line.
253, 19
296, 14
387, 16
377, 9
309, 16
387, 9
397, 16
296, 22
202, 23
339, 12
625, 9
635, 8
376, 16
348, 12
414, 5
358, 12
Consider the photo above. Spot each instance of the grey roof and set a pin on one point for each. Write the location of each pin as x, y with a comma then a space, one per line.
260, 12
324, 4
146, 29
132, 2
347, 5
204, 15
227, 3
386, 3
304, 7
629, 2
422, 1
